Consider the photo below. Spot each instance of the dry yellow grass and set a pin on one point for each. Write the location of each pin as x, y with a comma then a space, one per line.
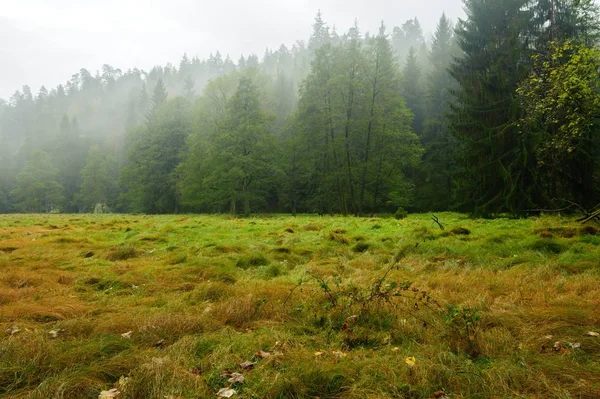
196, 295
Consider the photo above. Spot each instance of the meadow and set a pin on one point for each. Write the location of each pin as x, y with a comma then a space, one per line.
188, 306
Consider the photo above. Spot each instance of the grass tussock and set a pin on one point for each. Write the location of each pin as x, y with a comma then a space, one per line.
122, 252
378, 308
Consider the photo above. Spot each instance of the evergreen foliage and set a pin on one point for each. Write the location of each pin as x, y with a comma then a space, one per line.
497, 113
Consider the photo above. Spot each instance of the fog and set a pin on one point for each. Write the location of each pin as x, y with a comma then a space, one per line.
43, 42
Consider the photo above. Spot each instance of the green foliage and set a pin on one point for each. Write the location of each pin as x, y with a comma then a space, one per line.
37, 188
149, 178
400, 214
237, 165
98, 181
498, 114
496, 167
561, 101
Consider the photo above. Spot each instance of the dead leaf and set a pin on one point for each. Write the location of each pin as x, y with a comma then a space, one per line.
319, 353
557, 346
226, 393
110, 394
122, 383
440, 395
247, 365
410, 361
236, 378
13, 330
263, 354
127, 334
592, 334
54, 333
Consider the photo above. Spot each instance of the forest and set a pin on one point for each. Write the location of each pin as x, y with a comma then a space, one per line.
496, 113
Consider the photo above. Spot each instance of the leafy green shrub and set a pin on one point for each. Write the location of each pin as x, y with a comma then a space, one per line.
400, 213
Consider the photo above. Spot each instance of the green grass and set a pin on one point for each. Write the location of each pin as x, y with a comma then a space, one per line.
340, 303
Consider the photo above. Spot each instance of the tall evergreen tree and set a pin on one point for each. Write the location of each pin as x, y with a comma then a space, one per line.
435, 175
497, 168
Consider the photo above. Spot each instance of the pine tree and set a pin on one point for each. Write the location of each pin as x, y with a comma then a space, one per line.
411, 89
434, 179
159, 94
320, 34
497, 174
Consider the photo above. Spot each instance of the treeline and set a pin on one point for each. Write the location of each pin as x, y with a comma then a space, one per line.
497, 114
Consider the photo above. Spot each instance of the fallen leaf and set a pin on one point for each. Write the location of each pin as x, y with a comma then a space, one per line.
122, 383
248, 365
54, 333
263, 354
13, 330
127, 334
410, 361
236, 378
592, 334
440, 395
110, 394
226, 393
319, 353
557, 346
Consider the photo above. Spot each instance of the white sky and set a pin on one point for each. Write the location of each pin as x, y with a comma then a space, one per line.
43, 42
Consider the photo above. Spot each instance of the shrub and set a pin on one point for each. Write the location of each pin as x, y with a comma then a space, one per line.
400, 213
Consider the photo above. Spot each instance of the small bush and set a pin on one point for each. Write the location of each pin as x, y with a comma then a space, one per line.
400, 214
101, 208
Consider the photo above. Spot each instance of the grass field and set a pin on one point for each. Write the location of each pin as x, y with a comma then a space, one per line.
328, 307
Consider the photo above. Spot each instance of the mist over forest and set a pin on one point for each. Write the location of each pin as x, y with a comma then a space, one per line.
494, 113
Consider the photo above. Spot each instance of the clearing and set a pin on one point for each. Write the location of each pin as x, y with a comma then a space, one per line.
294, 307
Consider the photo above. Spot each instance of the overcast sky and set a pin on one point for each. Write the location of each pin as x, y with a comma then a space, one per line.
43, 42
